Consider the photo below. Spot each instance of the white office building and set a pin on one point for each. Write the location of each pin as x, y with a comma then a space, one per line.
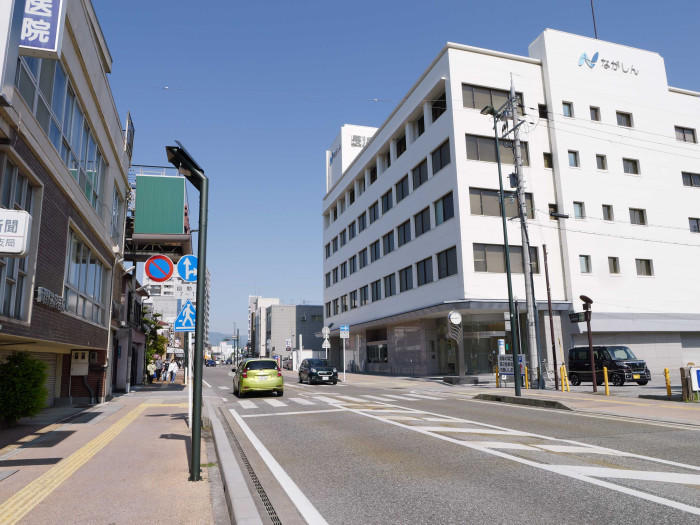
257, 323
411, 218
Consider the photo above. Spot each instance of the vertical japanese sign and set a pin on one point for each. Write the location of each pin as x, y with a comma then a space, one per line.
42, 28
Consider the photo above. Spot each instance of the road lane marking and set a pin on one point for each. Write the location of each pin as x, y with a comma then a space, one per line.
400, 398
23, 501
503, 445
460, 430
377, 398
295, 413
246, 404
421, 396
302, 503
203, 381
325, 399
601, 472
223, 387
353, 399
275, 403
301, 401
224, 399
573, 449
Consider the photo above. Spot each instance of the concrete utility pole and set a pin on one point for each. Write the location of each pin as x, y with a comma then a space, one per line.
527, 267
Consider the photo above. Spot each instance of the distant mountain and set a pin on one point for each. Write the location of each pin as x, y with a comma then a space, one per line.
216, 337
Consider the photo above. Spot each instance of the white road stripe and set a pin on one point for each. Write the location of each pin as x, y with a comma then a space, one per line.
301, 401
275, 403
203, 381
246, 404
353, 399
502, 445
378, 398
573, 449
300, 412
302, 503
224, 399
458, 430
438, 419
223, 387
325, 399
421, 396
400, 398
600, 472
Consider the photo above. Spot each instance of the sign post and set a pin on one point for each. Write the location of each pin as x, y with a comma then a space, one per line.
326, 332
344, 334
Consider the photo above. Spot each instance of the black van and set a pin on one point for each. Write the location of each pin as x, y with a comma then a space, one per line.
621, 363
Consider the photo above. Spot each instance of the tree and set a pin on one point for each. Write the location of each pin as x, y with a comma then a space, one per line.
22, 387
155, 343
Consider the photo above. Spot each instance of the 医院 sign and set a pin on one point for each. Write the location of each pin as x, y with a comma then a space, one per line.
42, 28
15, 228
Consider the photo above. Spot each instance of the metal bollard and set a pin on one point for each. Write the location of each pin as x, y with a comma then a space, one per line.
527, 379
561, 375
498, 379
605, 378
566, 377
668, 382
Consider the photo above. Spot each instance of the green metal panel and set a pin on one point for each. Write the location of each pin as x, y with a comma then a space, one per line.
160, 205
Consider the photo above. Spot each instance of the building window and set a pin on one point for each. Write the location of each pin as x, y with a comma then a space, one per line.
478, 97
439, 106
343, 303
608, 212
584, 262
422, 221
387, 160
419, 126
334, 242
567, 109
424, 270
335, 306
573, 159
420, 174
353, 299
614, 265
601, 162
406, 278
491, 258
335, 274
624, 119
351, 230
328, 279
441, 156
390, 285
156, 289
484, 149
487, 202
404, 232
328, 309
691, 179
694, 224
328, 250
686, 135
548, 163
645, 267
374, 212
388, 242
400, 146
444, 209
117, 212
353, 264
374, 253
363, 258
638, 216
373, 174
341, 203
361, 185
364, 295
542, 111
447, 262
45, 87
387, 202
343, 270
402, 189
84, 282
342, 238
335, 213
595, 113
351, 195
630, 166
376, 290
579, 210
362, 222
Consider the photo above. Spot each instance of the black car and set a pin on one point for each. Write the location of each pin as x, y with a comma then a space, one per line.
623, 366
317, 371
209, 362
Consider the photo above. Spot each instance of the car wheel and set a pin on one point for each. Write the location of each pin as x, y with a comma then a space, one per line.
235, 392
300, 379
280, 393
618, 380
575, 379
643, 382
308, 379
334, 383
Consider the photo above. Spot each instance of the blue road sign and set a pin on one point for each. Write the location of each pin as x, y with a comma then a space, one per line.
187, 268
185, 321
345, 331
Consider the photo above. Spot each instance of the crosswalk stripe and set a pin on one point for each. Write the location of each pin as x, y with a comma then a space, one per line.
504, 445
475, 431
246, 404
353, 399
377, 398
223, 387
573, 449
275, 403
325, 399
301, 401
422, 396
400, 398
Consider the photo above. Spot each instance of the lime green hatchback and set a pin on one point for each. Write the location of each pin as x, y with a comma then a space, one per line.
258, 375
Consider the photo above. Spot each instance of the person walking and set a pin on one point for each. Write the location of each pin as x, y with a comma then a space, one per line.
151, 372
172, 369
159, 368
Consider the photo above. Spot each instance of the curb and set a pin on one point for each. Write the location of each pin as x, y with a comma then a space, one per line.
241, 506
542, 403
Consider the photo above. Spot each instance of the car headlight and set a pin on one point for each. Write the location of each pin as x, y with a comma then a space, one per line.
313, 370
335, 370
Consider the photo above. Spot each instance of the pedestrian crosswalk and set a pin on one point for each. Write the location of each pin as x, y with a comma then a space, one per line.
333, 399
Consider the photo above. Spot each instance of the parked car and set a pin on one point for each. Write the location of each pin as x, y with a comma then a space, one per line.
287, 363
317, 370
623, 366
209, 362
258, 375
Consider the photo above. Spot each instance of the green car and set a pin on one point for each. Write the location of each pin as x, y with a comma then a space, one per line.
258, 375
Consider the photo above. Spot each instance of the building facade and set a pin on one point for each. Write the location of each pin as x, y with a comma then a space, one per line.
290, 327
64, 159
257, 323
412, 228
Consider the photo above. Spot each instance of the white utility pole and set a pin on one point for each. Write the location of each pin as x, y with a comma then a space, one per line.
527, 267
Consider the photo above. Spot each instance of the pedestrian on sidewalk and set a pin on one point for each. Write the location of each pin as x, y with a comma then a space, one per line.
151, 372
159, 368
173, 370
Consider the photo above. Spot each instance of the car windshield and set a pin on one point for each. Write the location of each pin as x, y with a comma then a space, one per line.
619, 353
318, 362
261, 365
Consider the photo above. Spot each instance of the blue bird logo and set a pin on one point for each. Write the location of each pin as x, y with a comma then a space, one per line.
590, 62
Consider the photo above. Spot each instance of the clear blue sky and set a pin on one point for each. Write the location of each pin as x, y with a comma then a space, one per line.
258, 90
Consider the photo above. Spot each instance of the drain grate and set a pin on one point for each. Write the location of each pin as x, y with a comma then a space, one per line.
254, 478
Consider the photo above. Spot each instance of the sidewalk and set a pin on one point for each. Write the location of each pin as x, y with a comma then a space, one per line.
125, 461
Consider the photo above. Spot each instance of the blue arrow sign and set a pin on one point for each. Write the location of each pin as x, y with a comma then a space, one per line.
187, 268
185, 321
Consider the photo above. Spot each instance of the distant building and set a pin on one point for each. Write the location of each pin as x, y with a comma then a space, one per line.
285, 323
257, 329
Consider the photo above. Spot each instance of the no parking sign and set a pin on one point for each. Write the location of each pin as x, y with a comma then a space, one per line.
159, 268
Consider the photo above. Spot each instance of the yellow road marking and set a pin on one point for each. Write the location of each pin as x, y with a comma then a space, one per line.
18, 505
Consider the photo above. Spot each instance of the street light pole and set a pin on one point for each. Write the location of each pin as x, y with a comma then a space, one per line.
186, 165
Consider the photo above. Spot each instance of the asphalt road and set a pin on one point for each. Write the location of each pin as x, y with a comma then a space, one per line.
390, 451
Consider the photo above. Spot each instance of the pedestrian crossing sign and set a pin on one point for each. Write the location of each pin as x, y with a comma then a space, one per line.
185, 321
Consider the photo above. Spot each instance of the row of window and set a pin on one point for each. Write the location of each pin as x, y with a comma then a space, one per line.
369, 174
644, 267
444, 210
419, 174
629, 166
446, 266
